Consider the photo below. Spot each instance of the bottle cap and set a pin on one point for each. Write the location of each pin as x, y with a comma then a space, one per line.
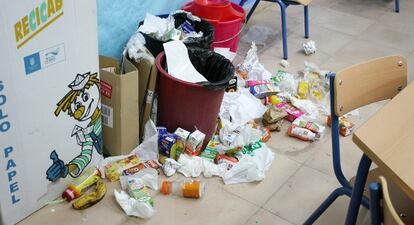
69, 194
166, 187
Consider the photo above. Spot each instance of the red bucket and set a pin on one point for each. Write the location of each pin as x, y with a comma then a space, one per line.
186, 105
226, 17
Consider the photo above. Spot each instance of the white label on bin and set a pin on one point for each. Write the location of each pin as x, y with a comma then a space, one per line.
107, 116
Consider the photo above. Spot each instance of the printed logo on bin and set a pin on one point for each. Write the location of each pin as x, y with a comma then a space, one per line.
32, 63
106, 89
44, 58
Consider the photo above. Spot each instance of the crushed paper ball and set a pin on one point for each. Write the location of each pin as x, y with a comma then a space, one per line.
309, 47
284, 63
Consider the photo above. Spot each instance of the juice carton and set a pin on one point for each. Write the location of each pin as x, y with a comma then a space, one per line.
182, 136
194, 143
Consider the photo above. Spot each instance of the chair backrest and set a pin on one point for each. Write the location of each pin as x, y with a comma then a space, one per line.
369, 82
390, 215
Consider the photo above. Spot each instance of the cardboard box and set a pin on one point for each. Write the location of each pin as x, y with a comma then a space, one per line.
50, 124
120, 108
147, 84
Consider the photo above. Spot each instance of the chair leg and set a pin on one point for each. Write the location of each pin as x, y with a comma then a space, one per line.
325, 204
358, 190
397, 6
375, 193
284, 30
256, 3
306, 16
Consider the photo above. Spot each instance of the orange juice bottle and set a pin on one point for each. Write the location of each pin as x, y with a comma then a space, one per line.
187, 188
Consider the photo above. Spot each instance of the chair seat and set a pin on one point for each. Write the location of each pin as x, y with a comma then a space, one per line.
298, 2
401, 202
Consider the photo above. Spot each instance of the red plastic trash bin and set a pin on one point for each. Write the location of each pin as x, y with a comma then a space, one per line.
226, 17
187, 105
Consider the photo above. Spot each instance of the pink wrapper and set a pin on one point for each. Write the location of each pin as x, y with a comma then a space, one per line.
251, 83
292, 111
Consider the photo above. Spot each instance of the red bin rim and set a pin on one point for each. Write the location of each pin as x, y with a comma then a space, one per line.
160, 68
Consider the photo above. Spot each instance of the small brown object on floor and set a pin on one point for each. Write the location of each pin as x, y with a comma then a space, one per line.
273, 118
273, 126
274, 114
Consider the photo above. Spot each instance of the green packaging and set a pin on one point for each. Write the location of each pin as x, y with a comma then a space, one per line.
138, 191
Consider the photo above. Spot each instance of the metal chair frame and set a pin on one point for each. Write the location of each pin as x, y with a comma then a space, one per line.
283, 5
346, 188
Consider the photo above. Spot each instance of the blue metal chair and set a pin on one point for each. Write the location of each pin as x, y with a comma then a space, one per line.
397, 6
389, 205
283, 5
346, 94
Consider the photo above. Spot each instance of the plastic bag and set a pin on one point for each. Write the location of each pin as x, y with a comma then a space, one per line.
240, 136
255, 70
205, 40
193, 166
148, 149
133, 207
148, 176
135, 48
170, 166
254, 161
157, 27
318, 82
286, 81
154, 45
240, 107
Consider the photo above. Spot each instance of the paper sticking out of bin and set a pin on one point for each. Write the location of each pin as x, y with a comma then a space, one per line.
179, 64
50, 122
120, 105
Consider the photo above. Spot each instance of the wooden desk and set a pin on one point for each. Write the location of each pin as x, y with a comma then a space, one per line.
387, 139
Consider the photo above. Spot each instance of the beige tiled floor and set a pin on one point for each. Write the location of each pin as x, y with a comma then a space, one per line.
301, 176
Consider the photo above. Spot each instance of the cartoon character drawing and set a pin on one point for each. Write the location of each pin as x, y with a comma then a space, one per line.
81, 103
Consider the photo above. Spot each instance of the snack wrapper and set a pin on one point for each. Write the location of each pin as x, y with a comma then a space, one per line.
292, 111
345, 127
114, 170
312, 126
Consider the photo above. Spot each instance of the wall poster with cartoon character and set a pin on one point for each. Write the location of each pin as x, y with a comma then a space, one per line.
50, 112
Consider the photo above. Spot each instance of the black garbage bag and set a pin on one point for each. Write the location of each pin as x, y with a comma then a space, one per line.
217, 69
205, 42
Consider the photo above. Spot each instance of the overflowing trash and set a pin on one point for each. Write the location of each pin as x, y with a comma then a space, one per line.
256, 103
182, 26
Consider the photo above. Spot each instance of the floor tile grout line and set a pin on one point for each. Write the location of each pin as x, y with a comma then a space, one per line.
248, 219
